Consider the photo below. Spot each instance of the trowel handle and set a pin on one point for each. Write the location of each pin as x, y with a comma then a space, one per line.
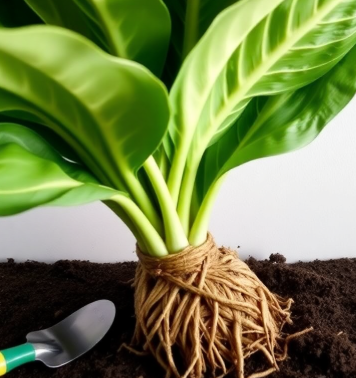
14, 357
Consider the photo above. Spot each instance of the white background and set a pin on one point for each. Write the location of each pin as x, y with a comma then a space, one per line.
302, 205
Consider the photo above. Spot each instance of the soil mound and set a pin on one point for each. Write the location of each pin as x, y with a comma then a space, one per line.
35, 296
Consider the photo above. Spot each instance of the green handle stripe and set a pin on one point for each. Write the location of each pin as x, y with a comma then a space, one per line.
18, 355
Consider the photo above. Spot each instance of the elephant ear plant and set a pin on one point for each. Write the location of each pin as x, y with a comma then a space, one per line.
146, 105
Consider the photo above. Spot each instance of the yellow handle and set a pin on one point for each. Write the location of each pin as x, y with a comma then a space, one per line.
2, 365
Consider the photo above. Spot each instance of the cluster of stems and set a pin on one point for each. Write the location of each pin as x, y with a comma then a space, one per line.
160, 214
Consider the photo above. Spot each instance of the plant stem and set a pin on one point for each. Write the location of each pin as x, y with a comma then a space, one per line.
186, 193
191, 35
176, 239
177, 170
192, 160
117, 209
153, 241
200, 226
163, 162
194, 206
143, 200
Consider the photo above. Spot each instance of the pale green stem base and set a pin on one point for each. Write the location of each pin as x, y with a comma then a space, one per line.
117, 209
200, 226
176, 239
186, 194
153, 241
177, 171
143, 201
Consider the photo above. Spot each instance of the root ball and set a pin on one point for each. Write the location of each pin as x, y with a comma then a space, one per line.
205, 308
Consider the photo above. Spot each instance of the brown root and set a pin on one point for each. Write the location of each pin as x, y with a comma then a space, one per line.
207, 304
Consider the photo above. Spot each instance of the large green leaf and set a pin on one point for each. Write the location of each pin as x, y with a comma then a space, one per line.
278, 124
16, 13
32, 142
67, 14
46, 133
255, 48
190, 20
32, 174
138, 30
112, 112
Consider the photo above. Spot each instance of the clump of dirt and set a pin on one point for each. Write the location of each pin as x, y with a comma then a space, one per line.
36, 295
277, 258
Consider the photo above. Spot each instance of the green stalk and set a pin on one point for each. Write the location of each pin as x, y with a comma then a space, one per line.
176, 239
143, 201
191, 35
113, 206
152, 240
163, 162
192, 160
186, 194
194, 206
177, 170
200, 226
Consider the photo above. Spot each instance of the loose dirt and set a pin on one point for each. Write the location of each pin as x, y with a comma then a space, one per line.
35, 296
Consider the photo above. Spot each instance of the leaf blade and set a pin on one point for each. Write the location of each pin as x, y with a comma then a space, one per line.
67, 14
253, 44
109, 23
69, 87
28, 181
32, 142
275, 125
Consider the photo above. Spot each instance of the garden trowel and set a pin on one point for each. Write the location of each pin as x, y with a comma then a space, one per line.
64, 342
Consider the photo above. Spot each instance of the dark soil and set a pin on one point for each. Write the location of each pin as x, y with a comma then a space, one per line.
36, 295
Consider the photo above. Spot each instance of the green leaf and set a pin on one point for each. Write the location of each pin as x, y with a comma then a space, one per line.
28, 181
29, 140
33, 174
138, 30
279, 124
67, 14
190, 20
112, 112
46, 133
15, 13
255, 48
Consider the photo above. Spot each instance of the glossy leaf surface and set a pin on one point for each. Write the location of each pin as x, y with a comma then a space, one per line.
67, 14
256, 48
37, 145
46, 133
33, 174
278, 124
112, 112
138, 30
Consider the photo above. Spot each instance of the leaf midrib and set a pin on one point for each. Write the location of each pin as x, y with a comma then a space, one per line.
70, 184
116, 46
261, 119
263, 68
